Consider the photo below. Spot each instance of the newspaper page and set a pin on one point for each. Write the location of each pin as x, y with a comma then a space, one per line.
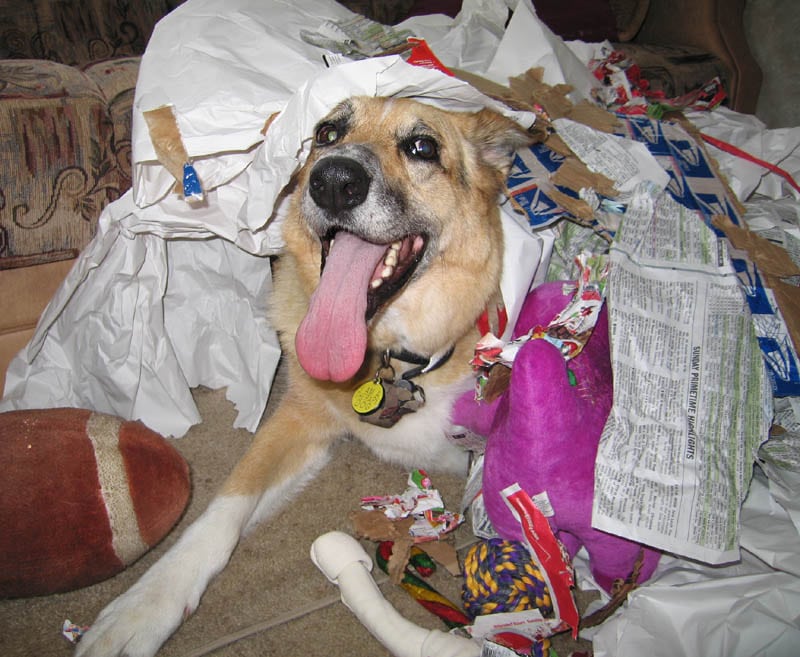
692, 400
624, 161
691, 397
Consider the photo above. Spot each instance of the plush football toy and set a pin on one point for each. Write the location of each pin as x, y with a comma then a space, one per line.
543, 433
82, 495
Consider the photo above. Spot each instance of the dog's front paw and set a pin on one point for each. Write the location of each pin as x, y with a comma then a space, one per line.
137, 623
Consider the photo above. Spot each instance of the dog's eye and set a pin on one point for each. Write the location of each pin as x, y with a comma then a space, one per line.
424, 148
327, 133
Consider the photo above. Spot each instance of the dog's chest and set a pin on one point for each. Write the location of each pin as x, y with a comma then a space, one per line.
417, 439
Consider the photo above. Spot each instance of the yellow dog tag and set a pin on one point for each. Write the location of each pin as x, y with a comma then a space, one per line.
368, 397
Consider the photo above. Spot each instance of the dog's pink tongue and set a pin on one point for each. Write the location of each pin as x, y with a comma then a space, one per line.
332, 339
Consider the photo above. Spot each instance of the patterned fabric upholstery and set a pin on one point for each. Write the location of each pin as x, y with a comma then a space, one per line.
117, 79
67, 77
59, 162
77, 32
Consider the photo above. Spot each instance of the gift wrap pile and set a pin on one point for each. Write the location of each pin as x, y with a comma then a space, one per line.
173, 288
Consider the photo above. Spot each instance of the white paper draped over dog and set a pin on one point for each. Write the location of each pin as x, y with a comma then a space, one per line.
171, 295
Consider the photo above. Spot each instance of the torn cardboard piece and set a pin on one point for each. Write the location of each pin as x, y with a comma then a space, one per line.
167, 143
774, 264
550, 103
375, 526
416, 517
772, 260
577, 176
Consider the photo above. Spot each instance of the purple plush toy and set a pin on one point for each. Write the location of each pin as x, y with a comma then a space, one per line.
543, 433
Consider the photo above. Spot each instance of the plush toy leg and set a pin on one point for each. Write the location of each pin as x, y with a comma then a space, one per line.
343, 561
610, 556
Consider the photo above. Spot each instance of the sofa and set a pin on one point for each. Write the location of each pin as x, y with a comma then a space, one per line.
678, 44
67, 76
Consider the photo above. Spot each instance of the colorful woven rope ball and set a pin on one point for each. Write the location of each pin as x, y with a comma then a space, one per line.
500, 576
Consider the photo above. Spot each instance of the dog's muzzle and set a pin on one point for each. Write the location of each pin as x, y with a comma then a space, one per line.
338, 183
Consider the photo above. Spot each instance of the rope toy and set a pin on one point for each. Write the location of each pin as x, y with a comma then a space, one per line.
500, 576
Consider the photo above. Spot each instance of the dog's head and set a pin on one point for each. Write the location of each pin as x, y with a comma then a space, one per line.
395, 230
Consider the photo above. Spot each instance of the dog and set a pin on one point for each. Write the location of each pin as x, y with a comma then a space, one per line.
393, 252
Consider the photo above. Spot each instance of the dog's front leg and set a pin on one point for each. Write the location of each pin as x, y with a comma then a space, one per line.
140, 620
286, 453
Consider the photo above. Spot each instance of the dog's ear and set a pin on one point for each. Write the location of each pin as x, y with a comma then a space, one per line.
497, 138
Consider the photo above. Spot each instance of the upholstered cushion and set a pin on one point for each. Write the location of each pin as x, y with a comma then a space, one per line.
77, 33
59, 158
116, 78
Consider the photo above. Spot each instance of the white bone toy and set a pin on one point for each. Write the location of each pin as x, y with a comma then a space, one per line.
343, 561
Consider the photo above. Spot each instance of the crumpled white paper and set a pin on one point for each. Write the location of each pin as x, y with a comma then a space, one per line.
171, 295
779, 146
542, 49
747, 609
478, 42
140, 320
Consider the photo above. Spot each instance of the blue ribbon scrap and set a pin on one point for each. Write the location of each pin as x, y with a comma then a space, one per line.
192, 190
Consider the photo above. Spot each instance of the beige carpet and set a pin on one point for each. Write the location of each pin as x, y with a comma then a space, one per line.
270, 600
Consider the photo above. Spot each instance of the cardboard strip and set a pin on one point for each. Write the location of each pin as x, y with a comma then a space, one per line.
774, 264
167, 142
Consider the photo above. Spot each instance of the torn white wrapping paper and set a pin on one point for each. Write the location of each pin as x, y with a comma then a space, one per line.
542, 48
780, 458
479, 41
140, 319
747, 609
225, 67
123, 335
779, 146
467, 41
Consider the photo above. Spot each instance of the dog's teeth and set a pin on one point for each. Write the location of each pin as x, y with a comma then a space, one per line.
387, 272
376, 283
391, 258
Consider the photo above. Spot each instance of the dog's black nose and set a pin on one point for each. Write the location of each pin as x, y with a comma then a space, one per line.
338, 183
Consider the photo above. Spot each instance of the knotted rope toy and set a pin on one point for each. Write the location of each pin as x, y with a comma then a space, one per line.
500, 576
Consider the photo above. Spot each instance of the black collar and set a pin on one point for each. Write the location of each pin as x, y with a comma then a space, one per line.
424, 364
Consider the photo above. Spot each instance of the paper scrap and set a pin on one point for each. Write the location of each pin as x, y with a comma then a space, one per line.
691, 399
548, 553
73, 632
421, 502
624, 161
